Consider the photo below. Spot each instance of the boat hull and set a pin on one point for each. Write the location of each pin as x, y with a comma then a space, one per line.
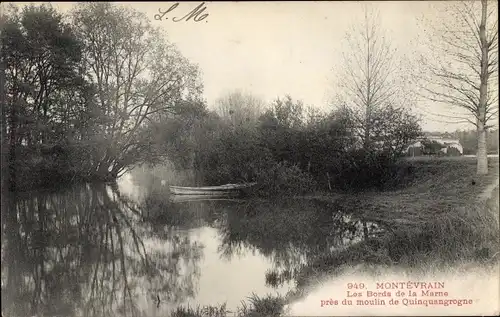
223, 190
195, 192
197, 198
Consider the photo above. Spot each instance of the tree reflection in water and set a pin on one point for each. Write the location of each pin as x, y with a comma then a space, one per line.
291, 233
88, 251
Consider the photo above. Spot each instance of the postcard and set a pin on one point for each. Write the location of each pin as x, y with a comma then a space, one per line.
272, 158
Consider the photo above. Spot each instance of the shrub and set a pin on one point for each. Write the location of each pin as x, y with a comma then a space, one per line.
283, 179
359, 170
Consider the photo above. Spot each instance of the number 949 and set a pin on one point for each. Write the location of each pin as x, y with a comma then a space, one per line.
355, 285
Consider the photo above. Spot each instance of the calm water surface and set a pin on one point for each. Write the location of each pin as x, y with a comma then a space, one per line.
129, 250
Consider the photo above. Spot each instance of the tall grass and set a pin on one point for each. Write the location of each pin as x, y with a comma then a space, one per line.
255, 306
436, 223
207, 311
269, 305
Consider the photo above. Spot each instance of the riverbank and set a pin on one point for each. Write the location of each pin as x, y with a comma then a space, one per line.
442, 223
35, 178
301, 249
443, 215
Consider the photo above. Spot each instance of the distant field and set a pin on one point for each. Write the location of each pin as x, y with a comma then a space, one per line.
424, 158
489, 155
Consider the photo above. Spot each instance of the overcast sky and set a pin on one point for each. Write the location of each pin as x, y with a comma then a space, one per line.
275, 48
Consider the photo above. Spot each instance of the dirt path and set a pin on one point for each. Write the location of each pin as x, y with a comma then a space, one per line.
488, 191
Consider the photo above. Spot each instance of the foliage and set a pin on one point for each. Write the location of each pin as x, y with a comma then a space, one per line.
49, 107
235, 156
85, 98
92, 98
288, 155
359, 169
140, 79
393, 130
288, 114
284, 179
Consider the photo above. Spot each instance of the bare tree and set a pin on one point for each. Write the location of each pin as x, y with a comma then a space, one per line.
239, 107
138, 77
371, 78
459, 68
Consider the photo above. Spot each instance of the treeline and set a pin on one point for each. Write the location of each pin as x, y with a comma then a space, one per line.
82, 90
287, 148
93, 93
468, 140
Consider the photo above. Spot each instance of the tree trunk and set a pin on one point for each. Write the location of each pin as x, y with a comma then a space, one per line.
12, 149
5, 145
482, 158
482, 154
365, 230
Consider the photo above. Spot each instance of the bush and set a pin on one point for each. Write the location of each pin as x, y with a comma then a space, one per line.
243, 154
359, 170
281, 178
236, 156
53, 165
287, 155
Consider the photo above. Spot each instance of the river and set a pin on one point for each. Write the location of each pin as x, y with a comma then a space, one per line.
128, 250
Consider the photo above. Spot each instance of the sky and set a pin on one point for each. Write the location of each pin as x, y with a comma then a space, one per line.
271, 49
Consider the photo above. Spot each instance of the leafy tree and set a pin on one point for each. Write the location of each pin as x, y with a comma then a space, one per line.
393, 129
288, 113
183, 135
280, 128
138, 76
47, 101
326, 139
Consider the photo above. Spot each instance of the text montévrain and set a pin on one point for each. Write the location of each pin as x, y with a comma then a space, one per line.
398, 293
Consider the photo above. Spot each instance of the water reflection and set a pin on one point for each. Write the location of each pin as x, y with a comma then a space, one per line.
290, 233
100, 250
82, 252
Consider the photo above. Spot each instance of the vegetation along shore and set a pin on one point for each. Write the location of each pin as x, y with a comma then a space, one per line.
109, 119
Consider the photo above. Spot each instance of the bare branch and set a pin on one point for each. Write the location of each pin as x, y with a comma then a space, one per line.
462, 81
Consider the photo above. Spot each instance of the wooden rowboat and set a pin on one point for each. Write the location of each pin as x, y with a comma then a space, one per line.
210, 190
204, 198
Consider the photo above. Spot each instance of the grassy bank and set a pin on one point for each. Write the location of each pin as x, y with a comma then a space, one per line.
443, 219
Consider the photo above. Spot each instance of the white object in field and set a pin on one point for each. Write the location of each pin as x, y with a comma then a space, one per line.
163, 182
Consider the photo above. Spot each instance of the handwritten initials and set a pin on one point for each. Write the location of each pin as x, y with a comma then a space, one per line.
195, 14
